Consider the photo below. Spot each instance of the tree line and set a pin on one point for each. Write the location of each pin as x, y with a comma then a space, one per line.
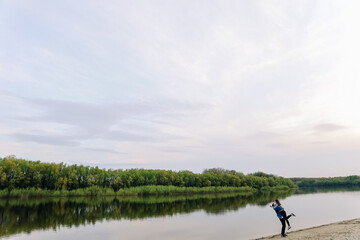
349, 181
19, 173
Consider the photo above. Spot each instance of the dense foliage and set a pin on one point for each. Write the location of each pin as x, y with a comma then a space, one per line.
18, 174
350, 181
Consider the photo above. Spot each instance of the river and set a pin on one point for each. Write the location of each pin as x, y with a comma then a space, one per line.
224, 216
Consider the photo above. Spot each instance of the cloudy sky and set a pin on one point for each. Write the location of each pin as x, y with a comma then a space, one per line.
267, 86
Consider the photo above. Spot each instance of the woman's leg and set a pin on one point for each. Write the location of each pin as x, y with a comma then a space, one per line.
287, 221
283, 213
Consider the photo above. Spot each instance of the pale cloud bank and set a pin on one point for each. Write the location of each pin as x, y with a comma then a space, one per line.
246, 85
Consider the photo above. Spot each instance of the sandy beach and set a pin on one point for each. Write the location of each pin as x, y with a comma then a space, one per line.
349, 230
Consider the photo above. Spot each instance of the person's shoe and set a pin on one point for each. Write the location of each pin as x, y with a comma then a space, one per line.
289, 227
293, 215
283, 235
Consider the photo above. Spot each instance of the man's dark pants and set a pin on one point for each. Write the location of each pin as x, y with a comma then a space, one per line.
282, 220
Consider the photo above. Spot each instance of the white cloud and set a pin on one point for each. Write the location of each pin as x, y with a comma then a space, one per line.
247, 83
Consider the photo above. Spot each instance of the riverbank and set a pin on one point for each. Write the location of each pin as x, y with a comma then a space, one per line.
349, 229
134, 191
151, 190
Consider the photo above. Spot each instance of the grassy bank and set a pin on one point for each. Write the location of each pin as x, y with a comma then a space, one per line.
23, 178
133, 191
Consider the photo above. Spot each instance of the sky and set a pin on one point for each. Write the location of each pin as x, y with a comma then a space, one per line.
268, 86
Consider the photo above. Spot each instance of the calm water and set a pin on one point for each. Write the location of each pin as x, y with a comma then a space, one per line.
226, 216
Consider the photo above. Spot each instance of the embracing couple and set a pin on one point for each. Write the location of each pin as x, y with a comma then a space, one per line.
281, 214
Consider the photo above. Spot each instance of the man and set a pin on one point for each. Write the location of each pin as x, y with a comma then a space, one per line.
282, 219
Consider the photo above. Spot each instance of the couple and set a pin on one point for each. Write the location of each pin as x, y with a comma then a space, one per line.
281, 214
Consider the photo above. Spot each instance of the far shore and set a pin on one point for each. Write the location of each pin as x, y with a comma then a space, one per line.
349, 229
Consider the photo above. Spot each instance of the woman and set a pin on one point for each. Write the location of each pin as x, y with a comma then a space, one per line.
281, 214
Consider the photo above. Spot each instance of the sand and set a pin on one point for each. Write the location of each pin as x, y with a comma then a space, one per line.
349, 229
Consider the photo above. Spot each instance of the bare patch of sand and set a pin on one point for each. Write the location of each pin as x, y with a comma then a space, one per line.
349, 230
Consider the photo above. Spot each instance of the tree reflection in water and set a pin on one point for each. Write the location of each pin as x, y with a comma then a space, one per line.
19, 216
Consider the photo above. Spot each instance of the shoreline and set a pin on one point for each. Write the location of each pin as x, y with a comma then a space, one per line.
141, 191
348, 229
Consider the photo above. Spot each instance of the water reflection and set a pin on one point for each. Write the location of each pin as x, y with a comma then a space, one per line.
17, 216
